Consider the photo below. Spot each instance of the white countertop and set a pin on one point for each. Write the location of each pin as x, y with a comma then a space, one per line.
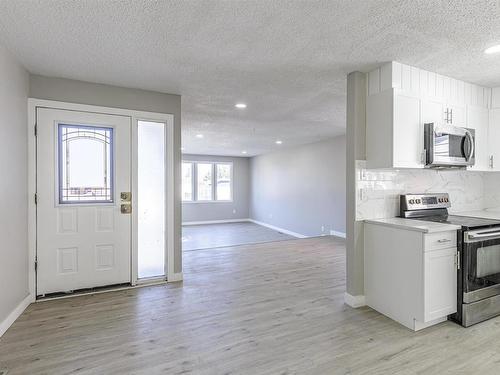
416, 225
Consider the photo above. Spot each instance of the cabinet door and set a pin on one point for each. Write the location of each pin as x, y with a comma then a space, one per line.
494, 139
440, 279
432, 111
477, 119
408, 132
457, 115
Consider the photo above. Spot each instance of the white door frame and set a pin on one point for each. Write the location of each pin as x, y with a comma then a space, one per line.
135, 116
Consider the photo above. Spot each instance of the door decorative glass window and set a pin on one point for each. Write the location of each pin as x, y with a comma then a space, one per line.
85, 163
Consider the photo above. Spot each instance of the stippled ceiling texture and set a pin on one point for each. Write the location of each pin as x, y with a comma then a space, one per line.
287, 60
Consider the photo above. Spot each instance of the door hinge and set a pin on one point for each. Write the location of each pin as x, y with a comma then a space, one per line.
36, 198
36, 129
36, 264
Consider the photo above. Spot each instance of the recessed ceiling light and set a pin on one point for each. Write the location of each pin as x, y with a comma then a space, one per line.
199, 135
243, 152
240, 105
278, 142
493, 49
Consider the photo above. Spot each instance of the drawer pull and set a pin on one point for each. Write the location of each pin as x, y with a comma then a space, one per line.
444, 240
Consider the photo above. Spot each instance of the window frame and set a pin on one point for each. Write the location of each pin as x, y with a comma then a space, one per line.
58, 185
194, 181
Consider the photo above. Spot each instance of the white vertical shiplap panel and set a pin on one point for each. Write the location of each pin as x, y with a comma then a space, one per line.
415, 79
439, 86
467, 93
473, 96
495, 97
480, 95
431, 88
454, 90
487, 101
386, 80
406, 77
397, 71
446, 88
374, 82
461, 92
424, 82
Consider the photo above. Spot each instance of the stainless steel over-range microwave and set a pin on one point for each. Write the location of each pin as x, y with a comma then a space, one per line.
448, 146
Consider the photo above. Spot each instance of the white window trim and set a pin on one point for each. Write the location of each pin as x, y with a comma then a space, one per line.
194, 181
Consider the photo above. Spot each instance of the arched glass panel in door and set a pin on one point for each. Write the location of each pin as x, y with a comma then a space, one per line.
85, 164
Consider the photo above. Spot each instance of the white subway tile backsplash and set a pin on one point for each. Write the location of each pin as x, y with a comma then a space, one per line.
381, 189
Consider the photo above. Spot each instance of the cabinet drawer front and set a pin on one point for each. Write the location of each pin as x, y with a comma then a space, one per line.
440, 240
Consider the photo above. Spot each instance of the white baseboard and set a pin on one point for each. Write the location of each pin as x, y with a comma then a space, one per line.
214, 221
354, 301
337, 234
16, 313
176, 277
289, 232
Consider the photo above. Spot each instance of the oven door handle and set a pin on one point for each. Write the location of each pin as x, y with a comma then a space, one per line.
473, 236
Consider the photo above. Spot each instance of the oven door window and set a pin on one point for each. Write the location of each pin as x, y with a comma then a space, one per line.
483, 265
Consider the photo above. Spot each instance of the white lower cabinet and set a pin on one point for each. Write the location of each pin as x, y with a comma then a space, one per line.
440, 283
411, 276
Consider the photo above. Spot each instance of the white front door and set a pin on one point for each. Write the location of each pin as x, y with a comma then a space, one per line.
83, 167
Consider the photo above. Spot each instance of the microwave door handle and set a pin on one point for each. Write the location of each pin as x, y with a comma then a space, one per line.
470, 138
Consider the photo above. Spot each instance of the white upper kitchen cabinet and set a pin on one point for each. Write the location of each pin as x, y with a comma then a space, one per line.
478, 119
402, 98
494, 131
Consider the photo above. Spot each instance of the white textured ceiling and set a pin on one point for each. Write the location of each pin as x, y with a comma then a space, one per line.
286, 59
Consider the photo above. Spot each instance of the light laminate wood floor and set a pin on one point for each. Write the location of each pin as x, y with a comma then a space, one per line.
206, 236
273, 308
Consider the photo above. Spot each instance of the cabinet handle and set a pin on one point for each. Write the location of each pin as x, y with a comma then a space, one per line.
444, 240
491, 161
451, 116
458, 260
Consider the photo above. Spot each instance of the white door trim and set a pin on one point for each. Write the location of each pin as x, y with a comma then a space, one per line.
166, 118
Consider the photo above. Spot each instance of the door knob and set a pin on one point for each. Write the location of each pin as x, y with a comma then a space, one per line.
126, 208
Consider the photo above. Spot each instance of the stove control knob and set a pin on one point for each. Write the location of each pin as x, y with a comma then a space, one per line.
446, 200
440, 200
412, 201
418, 201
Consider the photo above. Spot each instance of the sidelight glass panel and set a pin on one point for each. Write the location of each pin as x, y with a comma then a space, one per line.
204, 181
187, 181
151, 199
223, 173
85, 164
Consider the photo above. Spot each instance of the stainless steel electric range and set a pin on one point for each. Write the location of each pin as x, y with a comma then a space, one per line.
478, 284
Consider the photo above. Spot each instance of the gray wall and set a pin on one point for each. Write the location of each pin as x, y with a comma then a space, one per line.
301, 189
13, 184
222, 210
67, 90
